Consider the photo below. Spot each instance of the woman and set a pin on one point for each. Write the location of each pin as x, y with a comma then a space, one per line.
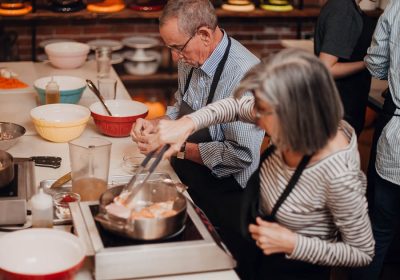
321, 219
342, 36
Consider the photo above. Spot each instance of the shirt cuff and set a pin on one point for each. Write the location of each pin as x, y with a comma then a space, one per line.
299, 248
210, 154
172, 112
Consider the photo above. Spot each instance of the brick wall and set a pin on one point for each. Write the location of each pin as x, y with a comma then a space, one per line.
260, 36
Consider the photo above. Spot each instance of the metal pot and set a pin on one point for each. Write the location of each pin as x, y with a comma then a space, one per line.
6, 168
146, 228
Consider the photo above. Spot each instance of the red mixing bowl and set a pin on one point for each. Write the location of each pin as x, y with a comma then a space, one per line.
124, 114
40, 254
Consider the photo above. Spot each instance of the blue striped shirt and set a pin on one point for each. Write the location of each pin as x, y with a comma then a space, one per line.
235, 149
383, 61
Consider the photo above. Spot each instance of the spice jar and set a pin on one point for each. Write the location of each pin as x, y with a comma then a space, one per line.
42, 210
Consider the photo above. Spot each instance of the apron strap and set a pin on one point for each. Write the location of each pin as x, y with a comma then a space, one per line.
217, 75
293, 181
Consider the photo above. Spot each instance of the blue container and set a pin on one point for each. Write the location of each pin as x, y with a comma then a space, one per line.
71, 88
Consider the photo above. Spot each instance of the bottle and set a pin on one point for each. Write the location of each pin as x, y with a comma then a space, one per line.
52, 92
42, 210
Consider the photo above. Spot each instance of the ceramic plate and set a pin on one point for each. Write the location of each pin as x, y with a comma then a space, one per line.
140, 42
113, 44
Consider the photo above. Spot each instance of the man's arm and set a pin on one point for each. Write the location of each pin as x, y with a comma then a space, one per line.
340, 69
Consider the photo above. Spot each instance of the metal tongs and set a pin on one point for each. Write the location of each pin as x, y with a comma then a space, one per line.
130, 186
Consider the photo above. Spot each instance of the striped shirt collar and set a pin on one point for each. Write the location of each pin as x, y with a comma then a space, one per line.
210, 65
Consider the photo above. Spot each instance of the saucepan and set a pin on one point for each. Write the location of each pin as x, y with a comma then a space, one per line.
6, 168
140, 227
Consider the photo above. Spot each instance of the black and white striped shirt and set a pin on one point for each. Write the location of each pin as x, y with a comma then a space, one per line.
383, 61
235, 149
328, 201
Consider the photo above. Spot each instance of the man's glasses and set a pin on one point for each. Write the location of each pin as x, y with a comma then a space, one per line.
180, 49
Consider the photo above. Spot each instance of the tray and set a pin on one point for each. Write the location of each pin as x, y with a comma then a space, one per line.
112, 182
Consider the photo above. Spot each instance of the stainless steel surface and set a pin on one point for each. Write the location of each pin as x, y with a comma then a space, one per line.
15, 130
6, 168
61, 181
13, 208
154, 191
147, 260
94, 89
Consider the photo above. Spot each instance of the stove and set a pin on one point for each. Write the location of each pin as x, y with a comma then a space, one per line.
194, 248
14, 196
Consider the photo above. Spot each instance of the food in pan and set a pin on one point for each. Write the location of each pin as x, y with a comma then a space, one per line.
141, 210
6, 136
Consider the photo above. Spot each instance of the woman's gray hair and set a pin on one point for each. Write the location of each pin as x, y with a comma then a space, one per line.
303, 94
191, 15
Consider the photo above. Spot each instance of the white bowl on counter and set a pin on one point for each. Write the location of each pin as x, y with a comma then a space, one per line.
144, 65
67, 55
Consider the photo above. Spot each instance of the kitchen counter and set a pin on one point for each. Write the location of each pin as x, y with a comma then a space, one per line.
15, 107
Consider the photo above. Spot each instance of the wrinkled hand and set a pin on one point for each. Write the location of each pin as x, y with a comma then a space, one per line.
272, 238
171, 132
141, 133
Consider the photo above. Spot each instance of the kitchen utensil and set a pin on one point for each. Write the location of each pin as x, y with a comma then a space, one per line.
97, 93
43, 161
10, 133
61, 181
126, 112
60, 122
6, 168
131, 185
103, 61
154, 191
71, 88
40, 254
90, 162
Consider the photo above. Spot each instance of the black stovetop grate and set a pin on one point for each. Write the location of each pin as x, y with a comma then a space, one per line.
109, 239
11, 190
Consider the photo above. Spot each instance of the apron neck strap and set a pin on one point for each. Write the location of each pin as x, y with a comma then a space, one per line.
217, 75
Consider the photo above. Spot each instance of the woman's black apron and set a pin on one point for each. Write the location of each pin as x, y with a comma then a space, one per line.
276, 266
354, 89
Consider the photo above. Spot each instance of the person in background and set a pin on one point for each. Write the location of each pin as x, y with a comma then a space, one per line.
217, 161
312, 208
342, 35
383, 61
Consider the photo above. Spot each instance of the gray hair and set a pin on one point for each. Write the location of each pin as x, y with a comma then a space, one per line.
191, 15
304, 96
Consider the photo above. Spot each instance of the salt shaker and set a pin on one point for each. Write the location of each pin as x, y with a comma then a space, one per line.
42, 210
103, 59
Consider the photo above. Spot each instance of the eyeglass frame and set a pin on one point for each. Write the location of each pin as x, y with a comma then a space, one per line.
181, 49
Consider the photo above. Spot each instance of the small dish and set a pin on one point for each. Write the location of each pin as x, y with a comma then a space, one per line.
140, 42
61, 201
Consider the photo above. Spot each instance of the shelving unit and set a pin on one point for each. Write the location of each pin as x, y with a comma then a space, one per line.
41, 16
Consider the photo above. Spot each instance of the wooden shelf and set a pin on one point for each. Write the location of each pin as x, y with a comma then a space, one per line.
128, 14
45, 15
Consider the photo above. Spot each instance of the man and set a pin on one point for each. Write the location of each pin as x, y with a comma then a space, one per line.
383, 61
215, 162
342, 36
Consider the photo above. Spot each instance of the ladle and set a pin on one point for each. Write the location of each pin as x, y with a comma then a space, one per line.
94, 89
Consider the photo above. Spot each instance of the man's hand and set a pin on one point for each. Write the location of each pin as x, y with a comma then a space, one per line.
141, 132
272, 238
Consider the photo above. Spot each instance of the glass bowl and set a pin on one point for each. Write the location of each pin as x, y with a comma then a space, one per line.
61, 201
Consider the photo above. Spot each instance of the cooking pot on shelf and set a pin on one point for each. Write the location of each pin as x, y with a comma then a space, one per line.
6, 168
146, 228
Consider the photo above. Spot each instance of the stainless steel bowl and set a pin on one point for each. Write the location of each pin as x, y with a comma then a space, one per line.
146, 228
15, 131
6, 168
